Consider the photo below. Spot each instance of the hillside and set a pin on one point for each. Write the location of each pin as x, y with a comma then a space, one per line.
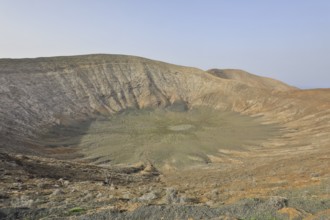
138, 138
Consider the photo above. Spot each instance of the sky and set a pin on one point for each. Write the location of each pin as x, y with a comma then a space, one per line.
284, 39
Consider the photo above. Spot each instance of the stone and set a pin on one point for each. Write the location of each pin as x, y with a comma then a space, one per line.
171, 196
57, 192
112, 187
66, 183
277, 202
41, 185
148, 197
99, 195
127, 195
214, 195
23, 202
88, 196
187, 200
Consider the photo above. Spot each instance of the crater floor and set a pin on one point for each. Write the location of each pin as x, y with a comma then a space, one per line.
163, 136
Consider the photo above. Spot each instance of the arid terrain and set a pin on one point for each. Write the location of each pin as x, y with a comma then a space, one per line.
123, 137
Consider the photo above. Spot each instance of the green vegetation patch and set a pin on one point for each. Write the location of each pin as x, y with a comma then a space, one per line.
76, 210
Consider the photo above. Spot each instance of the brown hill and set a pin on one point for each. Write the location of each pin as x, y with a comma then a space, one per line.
186, 141
250, 79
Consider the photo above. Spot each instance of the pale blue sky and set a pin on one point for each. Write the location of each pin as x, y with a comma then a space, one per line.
283, 39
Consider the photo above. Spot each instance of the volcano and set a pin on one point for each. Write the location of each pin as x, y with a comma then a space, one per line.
115, 136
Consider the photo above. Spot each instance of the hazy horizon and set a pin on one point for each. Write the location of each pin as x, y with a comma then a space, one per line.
288, 41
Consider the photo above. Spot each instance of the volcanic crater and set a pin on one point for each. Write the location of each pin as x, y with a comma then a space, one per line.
149, 124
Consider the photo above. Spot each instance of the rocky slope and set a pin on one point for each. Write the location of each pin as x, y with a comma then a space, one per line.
251, 79
39, 93
43, 94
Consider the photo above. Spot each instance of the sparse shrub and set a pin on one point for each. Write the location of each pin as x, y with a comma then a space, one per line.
76, 210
